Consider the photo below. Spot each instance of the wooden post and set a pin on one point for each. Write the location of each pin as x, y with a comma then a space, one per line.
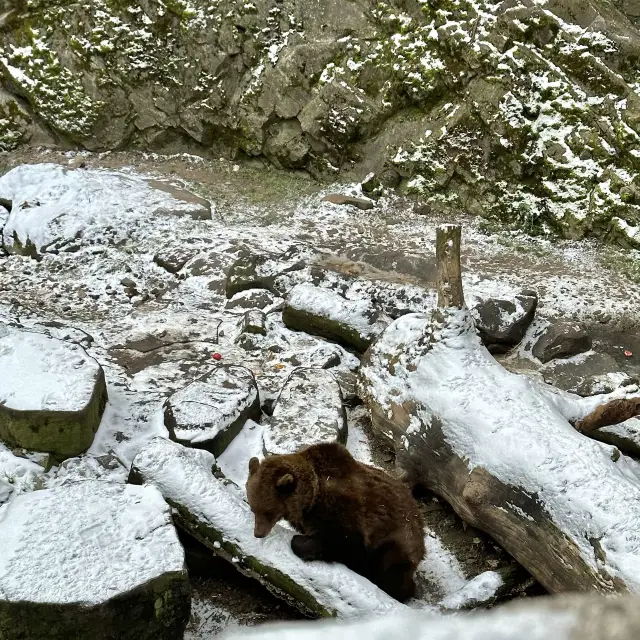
450, 292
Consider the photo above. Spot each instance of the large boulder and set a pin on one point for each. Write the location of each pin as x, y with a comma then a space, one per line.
56, 208
210, 412
353, 323
587, 375
308, 411
561, 339
52, 394
502, 323
91, 560
261, 271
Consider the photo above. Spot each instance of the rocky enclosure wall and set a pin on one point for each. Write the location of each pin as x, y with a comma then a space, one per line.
526, 111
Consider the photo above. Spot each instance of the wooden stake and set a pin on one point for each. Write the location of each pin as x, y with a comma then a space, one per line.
450, 292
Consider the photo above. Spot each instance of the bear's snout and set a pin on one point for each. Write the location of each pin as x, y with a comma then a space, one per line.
262, 528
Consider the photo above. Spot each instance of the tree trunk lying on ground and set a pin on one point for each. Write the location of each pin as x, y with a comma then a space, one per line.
561, 618
215, 514
501, 449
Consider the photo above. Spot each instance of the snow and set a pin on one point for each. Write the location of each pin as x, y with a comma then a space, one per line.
234, 461
17, 475
496, 625
479, 589
308, 411
54, 204
184, 477
38, 373
440, 567
520, 437
357, 314
207, 407
85, 543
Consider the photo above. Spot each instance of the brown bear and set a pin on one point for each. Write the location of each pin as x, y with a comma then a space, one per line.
346, 512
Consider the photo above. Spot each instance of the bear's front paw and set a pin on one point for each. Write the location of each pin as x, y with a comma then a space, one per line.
306, 548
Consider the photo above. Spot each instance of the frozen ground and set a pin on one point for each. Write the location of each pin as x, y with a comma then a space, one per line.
154, 331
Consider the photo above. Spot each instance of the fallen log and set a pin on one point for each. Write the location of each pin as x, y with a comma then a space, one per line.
548, 618
502, 450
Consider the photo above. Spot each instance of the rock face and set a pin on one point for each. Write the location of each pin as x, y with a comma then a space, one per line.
52, 394
503, 323
216, 514
308, 411
525, 112
91, 560
561, 339
353, 323
210, 412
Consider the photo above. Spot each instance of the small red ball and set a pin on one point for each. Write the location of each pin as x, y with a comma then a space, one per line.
217, 356
628, 353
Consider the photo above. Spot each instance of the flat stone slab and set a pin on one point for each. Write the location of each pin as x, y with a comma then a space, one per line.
353, 323
52, 394
56, 208
92, 560
587, 374
309, 410
210, 412
215, 513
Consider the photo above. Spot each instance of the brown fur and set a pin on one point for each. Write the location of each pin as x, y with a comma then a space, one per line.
347, 512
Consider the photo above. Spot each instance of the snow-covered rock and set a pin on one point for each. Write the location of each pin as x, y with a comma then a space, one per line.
586, 617
223, 521
91, 560
625, 436
354, 323
52, 394
261, 271
503, 323
54, 207
587, 374
309, 410
561, 339
210, 412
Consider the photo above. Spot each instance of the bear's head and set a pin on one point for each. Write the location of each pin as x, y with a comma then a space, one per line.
279, 488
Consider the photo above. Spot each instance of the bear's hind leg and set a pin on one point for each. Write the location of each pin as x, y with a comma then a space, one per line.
307, 547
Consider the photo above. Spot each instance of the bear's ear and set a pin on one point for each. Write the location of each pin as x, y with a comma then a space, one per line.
286, 483
254, 463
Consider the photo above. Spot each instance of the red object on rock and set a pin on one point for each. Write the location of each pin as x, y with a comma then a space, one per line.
628, 353
217, 356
